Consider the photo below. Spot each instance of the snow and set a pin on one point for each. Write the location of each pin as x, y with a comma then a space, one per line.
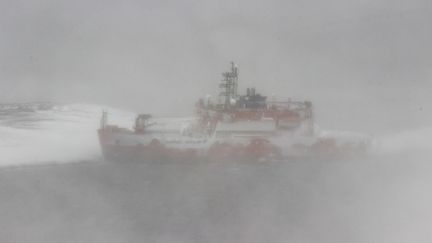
67, 133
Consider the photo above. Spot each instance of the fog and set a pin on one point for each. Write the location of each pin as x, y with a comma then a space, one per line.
365, 65
373, 55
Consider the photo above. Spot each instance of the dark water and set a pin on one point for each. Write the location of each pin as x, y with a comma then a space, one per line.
375, 200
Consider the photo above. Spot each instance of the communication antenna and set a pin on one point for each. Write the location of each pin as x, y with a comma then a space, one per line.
229, 86
104, 119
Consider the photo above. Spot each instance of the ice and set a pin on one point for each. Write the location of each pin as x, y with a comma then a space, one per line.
65, 133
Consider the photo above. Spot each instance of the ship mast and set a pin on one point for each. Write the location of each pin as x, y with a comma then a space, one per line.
229, 86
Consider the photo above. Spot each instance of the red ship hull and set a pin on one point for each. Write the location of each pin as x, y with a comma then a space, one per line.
243, 127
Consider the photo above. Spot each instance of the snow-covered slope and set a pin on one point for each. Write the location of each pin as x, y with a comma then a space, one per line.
54, 133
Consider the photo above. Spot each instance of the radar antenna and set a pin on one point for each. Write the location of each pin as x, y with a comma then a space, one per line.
229, 86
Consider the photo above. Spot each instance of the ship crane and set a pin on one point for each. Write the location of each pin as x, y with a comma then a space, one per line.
243, 126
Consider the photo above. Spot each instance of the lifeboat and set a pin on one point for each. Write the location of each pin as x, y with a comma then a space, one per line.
239, 126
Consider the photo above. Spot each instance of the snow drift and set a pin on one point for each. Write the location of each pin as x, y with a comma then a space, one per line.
62, 133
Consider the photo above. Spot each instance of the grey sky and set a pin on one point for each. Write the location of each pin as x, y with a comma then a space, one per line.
370, 54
